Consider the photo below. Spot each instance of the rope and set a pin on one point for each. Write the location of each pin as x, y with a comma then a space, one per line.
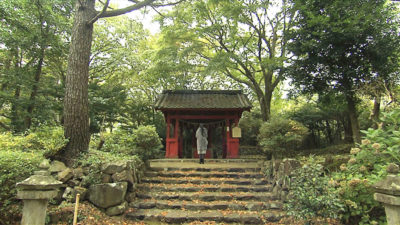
221, 122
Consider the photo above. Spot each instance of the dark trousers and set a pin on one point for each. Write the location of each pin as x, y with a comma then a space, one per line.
201, 156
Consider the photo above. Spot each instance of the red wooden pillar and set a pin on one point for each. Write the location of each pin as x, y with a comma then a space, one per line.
167, 138
172, 143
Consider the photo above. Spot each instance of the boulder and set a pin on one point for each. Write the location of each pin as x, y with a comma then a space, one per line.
78, 173
130, 197
65, 175
125, 175
117, 210
57, 166
107, 195
114, 167
70, 193
105, 178
73, 183
82, 191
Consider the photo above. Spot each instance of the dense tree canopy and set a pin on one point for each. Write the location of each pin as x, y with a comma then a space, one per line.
341, 55
341, 46
243, 40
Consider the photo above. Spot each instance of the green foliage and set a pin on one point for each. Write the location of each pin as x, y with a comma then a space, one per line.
367, 166
280, 134
143, 141
147, 142
311, 195
15, 166
94, 160
250, 125
45, 139
49, 139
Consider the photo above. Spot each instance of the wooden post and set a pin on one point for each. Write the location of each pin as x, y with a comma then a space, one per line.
168, 136
76, 209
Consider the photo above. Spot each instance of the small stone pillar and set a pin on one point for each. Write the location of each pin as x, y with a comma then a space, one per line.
388, 192
35, 192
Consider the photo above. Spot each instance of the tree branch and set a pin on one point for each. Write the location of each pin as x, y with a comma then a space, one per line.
136, 6
131, 8
105, 6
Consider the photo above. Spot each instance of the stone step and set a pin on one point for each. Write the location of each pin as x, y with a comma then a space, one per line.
201, 205
207, 196
201, 180
202, 174
185, 169
204, 188
219, 216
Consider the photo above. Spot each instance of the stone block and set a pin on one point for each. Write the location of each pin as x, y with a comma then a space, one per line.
117, 210
107, 195
125, 175
65, 175
57, 166
114, 167
105, 178
78, 173
36, 194
387, 199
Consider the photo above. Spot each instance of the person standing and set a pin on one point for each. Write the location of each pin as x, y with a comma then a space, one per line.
202, 142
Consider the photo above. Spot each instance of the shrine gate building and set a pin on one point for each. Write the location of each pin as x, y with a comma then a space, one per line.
218, 110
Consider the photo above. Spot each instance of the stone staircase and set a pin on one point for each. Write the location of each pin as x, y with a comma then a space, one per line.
221, 191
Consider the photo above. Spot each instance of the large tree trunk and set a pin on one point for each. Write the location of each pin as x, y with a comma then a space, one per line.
265, 105
76, 112
355, 127
375, 112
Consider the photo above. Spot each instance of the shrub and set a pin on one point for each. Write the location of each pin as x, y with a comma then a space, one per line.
148, 143
49, 139
281, 134
15, 166
367, 166
311, 194
46, 139
143, 141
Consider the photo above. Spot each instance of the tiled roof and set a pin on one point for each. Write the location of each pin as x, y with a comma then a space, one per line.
195, 99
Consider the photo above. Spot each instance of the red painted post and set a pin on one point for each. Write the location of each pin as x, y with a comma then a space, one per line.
167, 138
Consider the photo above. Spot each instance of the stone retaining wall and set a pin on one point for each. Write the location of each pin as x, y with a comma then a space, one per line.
279, 172
113, 194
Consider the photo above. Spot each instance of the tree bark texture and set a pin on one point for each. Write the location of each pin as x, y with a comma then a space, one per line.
355, 127
76, 112
375, 112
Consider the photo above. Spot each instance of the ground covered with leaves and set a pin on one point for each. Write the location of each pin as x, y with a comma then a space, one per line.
90, 215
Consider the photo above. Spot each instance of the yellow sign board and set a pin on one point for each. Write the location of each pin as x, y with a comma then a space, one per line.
236, 132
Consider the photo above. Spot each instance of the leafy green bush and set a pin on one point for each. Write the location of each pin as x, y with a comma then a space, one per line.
15, 166
45, 139
143, 141
311, 195
50, 139
367, 166
281, 134
250, 125
148, 143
